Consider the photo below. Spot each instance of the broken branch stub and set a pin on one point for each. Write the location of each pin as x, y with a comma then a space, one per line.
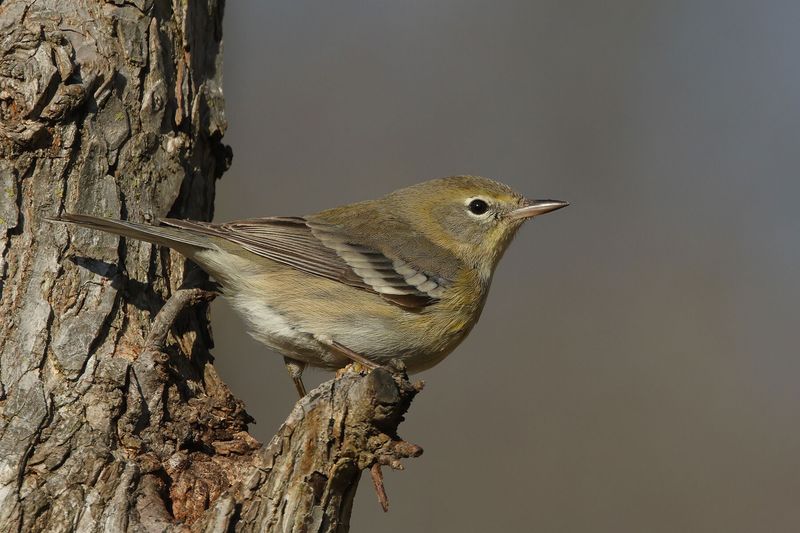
309, 472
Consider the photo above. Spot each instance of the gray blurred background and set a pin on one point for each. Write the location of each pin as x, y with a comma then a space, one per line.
636, 367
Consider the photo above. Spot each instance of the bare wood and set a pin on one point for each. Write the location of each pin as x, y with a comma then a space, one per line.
112, 416
380, 489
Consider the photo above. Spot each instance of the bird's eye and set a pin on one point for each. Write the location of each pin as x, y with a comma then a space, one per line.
478, 206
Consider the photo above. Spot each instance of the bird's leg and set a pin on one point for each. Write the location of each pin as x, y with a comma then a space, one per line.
353, 356
295, 369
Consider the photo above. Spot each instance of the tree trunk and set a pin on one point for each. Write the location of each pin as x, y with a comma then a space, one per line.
107, 423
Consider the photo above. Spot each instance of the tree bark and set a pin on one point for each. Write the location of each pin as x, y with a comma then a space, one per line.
109, 419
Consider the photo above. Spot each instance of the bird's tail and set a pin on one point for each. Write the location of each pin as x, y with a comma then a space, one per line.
183, 240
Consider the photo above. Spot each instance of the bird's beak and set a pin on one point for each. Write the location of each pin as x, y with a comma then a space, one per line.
534, 208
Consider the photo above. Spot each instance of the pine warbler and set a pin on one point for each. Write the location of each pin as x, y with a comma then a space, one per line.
405, 276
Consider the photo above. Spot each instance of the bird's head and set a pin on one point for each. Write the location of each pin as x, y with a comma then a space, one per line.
472, 217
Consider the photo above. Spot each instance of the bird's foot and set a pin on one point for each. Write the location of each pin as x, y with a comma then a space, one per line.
354, 367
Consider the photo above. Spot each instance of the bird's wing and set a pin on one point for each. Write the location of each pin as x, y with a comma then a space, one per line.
326, 251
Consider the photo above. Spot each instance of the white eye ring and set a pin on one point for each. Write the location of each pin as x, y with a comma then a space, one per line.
478, 207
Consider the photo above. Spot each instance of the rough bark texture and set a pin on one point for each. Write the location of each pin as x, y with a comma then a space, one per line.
115, 109
306, 478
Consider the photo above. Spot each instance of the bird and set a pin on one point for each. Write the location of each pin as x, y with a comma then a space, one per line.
403, 277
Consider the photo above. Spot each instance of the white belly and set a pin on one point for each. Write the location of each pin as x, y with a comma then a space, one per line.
270, 327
